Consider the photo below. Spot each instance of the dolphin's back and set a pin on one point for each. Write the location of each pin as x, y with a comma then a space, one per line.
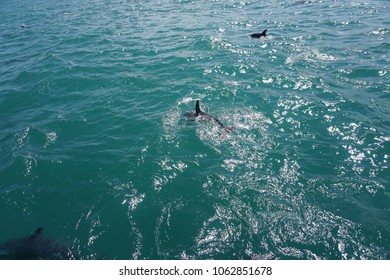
34, 247
202, 115
258, 35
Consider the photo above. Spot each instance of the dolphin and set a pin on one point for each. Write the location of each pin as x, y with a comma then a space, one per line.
258, 35
199, 114
34, 247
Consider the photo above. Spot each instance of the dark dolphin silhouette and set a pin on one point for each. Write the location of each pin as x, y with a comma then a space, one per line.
258, 35
35, 247
199, 114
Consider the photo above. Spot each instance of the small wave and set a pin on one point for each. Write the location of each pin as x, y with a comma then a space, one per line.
381, 31
219, 43
311, 55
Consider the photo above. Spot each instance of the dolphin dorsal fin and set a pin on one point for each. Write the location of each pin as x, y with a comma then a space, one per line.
264, 33
197, 108
37, 232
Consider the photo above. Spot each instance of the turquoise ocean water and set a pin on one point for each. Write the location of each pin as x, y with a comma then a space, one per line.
94, 146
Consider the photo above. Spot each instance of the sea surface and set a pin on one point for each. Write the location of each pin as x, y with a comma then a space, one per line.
95, 148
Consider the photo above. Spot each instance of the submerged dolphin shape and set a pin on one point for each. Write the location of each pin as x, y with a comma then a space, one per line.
199, 113
258, 35
34, 247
